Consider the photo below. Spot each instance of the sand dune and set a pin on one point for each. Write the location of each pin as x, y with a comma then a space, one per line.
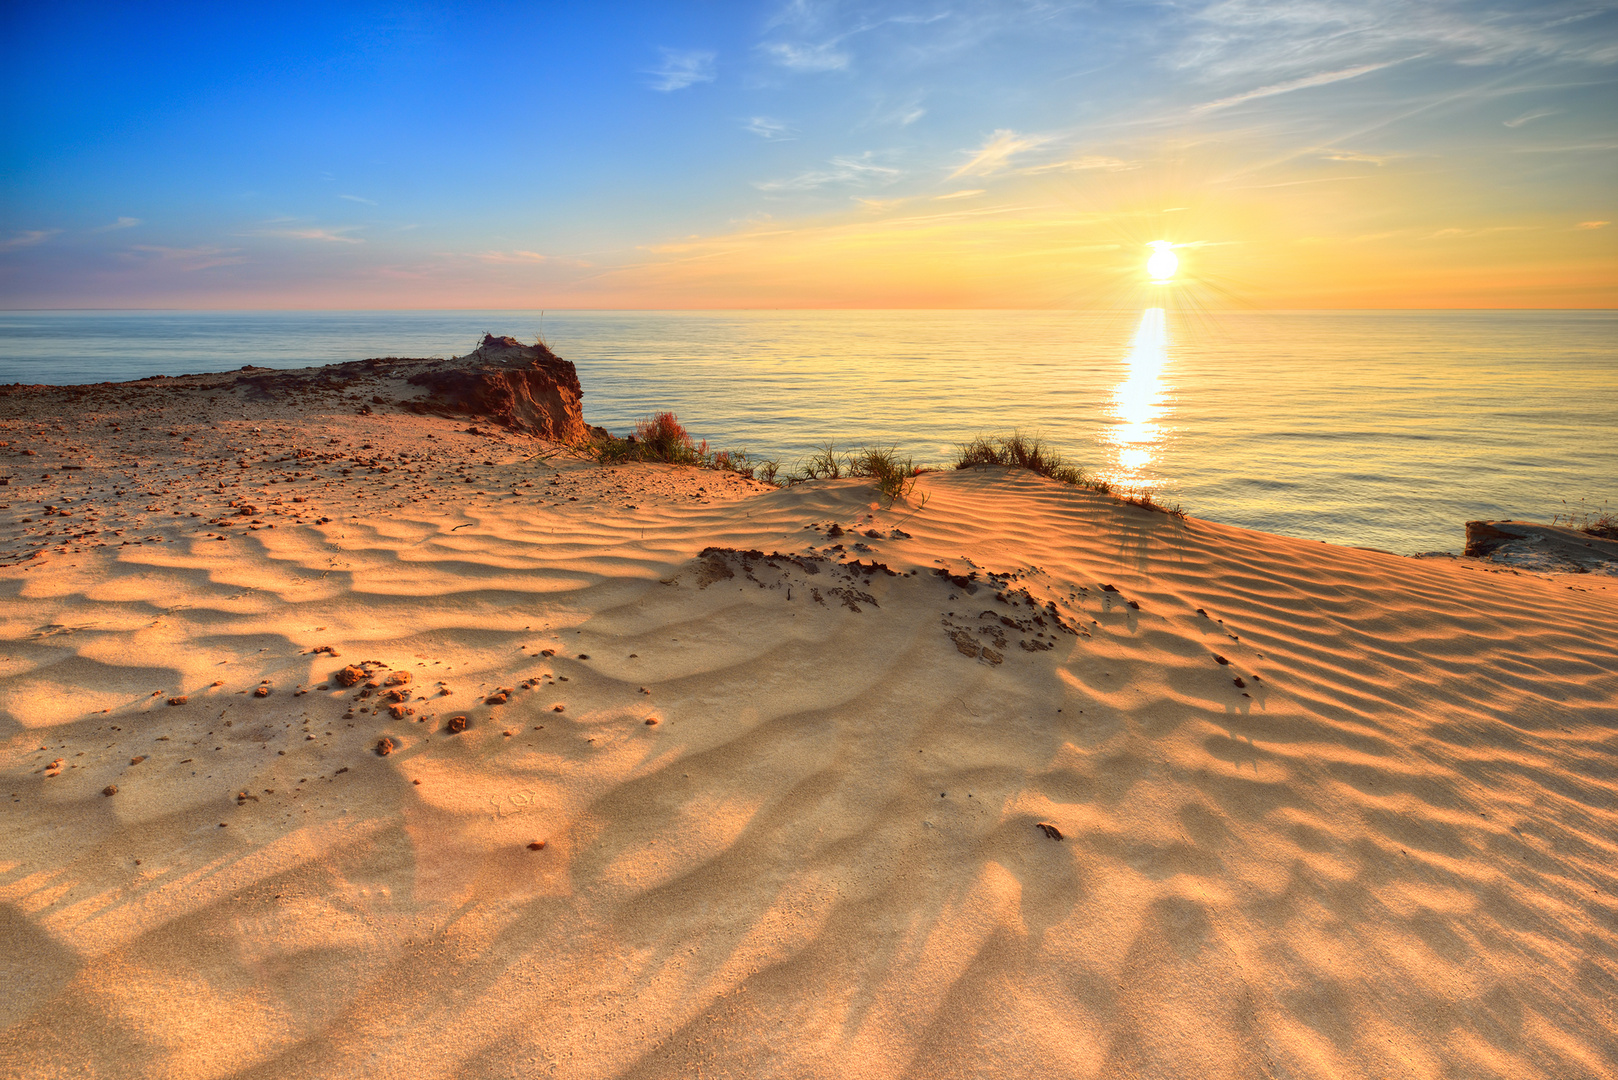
1322, 811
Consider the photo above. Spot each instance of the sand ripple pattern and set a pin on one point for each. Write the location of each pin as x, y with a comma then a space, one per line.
791, 835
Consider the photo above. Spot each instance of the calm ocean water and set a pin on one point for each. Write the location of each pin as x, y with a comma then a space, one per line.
1384, 429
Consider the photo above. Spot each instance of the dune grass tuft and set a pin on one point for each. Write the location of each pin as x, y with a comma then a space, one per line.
894, 478
1032, 453
1025, 452
1592, 522
661, 437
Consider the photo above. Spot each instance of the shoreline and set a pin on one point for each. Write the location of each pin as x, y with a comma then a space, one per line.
1018, 781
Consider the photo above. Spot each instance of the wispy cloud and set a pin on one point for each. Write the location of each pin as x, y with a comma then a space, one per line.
1592, 225
27, 238
767, 128
518, 256
682, 68
861, 169
1354, 156
1528, 118
358, 199
191, 258
967, 194
325, 236
823, 57
1323, 79
1084, 164
996, 153
121, 223
1238, 39
1452, 233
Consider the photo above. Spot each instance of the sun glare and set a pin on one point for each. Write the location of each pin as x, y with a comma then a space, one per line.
1163, 262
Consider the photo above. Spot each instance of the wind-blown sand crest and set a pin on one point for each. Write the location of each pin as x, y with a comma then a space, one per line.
1322, 811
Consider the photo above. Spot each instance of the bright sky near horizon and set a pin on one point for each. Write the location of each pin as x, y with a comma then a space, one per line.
917, 153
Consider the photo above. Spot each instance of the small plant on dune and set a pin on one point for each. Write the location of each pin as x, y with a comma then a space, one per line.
663, 438
1031, 452
824, 465
894, 478
766, 471
1024, 452
1145, 498
1602, 522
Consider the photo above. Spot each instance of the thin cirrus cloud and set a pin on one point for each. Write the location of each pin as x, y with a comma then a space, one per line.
121, 223
27, 238
843, 170
1592, 224
190, 258
1528, 118
326, 236
682, 68
995, 154
1305, 83
823, 57
358, 199
767, 128
1085, 163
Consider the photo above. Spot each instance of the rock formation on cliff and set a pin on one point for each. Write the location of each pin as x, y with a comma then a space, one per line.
521, 386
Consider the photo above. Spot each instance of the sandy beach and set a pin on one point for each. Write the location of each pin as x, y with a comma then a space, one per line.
343, 740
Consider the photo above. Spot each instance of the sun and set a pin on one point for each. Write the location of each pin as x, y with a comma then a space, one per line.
1163, 262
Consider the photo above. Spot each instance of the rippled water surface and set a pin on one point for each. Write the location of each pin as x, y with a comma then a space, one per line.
1384, 429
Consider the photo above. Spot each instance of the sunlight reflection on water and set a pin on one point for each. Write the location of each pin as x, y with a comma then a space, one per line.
1138, 407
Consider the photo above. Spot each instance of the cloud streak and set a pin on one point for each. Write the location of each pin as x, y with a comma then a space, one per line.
1305, 83
27, 238
121, 223
682, 68
996, 154
843, 170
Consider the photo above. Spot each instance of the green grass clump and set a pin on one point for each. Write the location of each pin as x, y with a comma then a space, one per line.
661, 437
823, 466
894, 478
1032, 453
1025, 452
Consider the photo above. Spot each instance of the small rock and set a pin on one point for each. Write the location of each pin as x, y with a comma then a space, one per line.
398, 678
537, 845
261, 691
651, 721
456, 725
384, 747
137, 759
1220, 659
110, 790
350, 675
180, 700
1050, 831
1238, 681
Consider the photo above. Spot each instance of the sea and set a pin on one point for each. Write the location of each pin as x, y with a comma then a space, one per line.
1383, 429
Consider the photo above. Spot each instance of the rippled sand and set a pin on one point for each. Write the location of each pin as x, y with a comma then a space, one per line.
1389, 853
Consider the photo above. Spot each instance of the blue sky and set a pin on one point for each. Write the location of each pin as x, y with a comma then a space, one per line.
806, 154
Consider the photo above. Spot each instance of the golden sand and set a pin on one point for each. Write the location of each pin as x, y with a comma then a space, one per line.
798, 820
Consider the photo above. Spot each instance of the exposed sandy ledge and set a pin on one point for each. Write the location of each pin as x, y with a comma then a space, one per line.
1024, 783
